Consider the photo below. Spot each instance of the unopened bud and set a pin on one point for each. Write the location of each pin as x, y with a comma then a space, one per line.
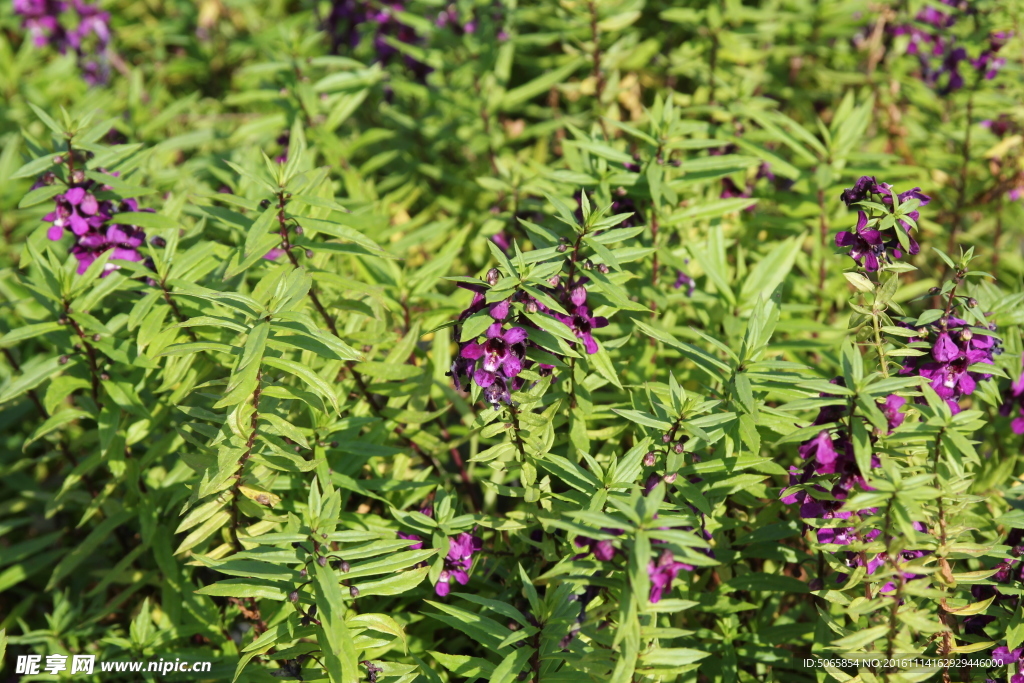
334, 444
49, 178
649, 459
322, 561
665, 438
588, 265
1018, 551
309, 253
531, 306
62, 320
561, 248
669, 478
554, 280
966, 335
303, 573
972, 302
78, 176
344, 566
105, 377
265, 204
298, 230
63, 360
323, 535
158, 242
59, 159
934, 290
353, 591
493, 276
97, 337
603, 268
678, 448
293, 596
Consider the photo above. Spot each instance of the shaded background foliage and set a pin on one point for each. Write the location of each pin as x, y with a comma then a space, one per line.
245, 443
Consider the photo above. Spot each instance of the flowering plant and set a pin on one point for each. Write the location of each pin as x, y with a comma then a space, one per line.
609, 341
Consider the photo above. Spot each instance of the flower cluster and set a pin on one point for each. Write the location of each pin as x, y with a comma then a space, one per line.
939, 53
92, 222
495, 362
883, 230
44, 19
956, 347
458, 562
347, 16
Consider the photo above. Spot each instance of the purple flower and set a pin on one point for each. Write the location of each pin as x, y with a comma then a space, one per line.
866, 246
411, 537
891, 410
580, 320
1014, 398
91, 222
458, 562
497, 353
682, 279
1003, 656
662, 573
956, 348
44, 21
870, 246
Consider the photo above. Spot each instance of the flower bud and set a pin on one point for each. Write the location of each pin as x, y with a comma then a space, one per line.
934, 290
323, 535
603, 269
561, 248
353, 591
158, 242
531, 306
59, 159
493, 276
293, 596
554, 280
78, 176
972, 302
322, 561
265, 204
649, 459
588, 265
303, 573
1018, 551
334, 444
309, 253
665, 438
669, 478
678, 448
344, 566
62, 320
96, 337
966, 336
298, 230
105, 377
48, 178
63, 360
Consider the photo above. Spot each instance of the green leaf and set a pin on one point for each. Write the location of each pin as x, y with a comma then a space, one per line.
335, 640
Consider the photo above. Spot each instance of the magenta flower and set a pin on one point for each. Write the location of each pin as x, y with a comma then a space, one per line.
1004, 656
662, 574
458, 562
580, 320
956, 348
411, 537
891, 410
497, 353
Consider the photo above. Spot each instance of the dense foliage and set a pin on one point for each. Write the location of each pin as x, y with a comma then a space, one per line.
619, 340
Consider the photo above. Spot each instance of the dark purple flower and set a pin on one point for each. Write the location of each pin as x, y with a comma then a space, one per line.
956, 348
411, 537
1013, 398
682, 279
